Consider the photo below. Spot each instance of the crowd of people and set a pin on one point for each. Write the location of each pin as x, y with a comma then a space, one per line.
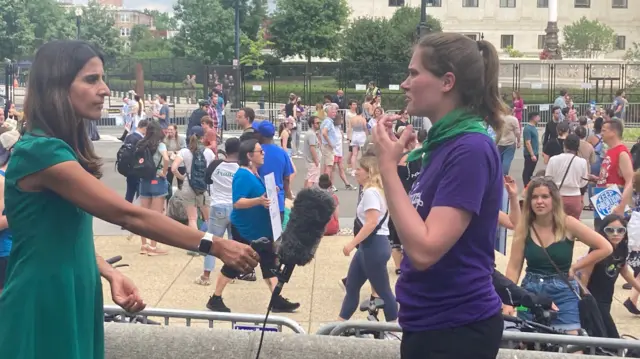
431, 201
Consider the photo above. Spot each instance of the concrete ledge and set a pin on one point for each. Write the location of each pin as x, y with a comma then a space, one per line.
125, 341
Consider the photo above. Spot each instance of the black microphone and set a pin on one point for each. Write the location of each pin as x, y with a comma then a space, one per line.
312, 210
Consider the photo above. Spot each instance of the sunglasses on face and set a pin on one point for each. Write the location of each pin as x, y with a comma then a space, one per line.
621, 231
259, 151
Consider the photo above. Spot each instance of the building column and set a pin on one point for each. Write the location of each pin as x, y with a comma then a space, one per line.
551, 45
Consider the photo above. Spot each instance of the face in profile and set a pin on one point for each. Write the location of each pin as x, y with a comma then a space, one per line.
88, 90
423, 90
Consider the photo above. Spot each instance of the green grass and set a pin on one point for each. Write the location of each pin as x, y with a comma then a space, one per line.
631, 134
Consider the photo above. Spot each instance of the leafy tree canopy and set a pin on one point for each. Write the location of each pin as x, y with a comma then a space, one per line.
587, 39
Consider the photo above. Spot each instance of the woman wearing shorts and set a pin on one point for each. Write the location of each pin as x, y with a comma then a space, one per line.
359, 132
250, 220
153, 192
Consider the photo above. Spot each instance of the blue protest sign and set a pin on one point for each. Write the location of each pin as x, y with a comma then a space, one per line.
501, 236
605, 200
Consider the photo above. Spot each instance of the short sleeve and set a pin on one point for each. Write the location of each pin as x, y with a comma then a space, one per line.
162, 147
28, 155
457, 189
527, 135
183, 152
313, 140
371, 200
209, 155
240, 187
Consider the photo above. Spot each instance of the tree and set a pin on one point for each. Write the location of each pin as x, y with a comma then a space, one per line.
308, 28
587, 39
633, 53
16, 32
207, 30
50, 21
382, 47
162, 20
252, 15
145, 45
254, 56
97, 26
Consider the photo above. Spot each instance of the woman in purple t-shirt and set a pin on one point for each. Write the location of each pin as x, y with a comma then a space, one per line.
447, 224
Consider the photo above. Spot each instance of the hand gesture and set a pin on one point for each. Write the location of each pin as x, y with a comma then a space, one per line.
125, 294
237, 255
389, 147
511, 186
508, 310
534, 159
265, 201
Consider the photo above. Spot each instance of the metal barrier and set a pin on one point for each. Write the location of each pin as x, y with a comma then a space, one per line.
566, 342
189, 315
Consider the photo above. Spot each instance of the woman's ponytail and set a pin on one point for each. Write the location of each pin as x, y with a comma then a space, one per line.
193, 143
492, 108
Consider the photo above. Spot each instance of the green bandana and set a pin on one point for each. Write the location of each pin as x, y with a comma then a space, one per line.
453, 124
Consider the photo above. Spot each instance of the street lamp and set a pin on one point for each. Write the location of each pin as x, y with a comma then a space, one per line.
78, 16
422, 26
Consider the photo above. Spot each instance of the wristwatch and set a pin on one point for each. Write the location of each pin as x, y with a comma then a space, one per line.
205, 244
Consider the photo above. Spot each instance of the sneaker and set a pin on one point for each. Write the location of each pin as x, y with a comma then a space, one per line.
215, 304
283, 305
349, 187
200, 280
334, 189
249, 277
631, 307
343, 284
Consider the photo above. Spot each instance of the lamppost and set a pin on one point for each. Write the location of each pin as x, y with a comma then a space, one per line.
78, 16
236, 61
422, 26
551, 39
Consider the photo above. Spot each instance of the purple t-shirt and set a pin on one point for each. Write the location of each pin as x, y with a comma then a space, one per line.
465, 173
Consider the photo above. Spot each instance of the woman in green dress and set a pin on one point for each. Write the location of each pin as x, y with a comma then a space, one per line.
52, 306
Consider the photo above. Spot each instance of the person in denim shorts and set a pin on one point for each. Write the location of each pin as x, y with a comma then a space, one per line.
547, 235
153, 192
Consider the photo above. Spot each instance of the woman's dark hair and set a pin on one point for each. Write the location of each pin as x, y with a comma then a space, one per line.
622, 249
311, 120
246, 147
324, 181
152, 137
565, 111
281, 127
232, 146
611, 113
563, 127
47, 105
583, 120
581, 132
138, 100
177, 136
422, 135
475, 65
597, 124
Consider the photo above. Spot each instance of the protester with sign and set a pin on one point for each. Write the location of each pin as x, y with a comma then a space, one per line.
617, 167
545, 238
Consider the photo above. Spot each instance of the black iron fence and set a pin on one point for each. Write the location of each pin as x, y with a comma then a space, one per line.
538, 82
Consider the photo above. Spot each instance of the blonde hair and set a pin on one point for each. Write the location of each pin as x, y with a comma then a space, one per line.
528, 216
370, 164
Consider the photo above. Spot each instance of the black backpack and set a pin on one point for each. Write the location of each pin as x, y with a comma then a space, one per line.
198, 174
143, 165
126, 154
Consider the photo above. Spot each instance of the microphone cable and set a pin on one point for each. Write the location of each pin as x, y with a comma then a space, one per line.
264, 324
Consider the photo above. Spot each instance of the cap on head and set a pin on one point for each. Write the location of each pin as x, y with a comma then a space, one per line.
197, 130
266, 129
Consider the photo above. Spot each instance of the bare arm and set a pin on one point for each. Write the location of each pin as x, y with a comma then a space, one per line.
511, 220
314, 154
177, 161
626, 170
585, 275
529, 148
370, 223
601, 247
286, 182
165, 162
516, 258
3, 219
325, 135
627, 274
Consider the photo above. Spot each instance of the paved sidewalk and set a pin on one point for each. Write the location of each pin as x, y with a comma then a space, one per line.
167, 282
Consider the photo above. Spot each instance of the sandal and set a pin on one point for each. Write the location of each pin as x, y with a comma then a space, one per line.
155, 251
144, 249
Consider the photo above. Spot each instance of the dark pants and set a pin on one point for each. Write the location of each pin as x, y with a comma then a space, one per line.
133, 183
479, 340
527, 171
268, 263
170, 176
609, 324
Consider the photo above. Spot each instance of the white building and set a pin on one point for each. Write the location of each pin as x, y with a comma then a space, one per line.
517, 23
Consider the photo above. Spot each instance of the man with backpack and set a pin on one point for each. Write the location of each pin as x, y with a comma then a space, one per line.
126, 156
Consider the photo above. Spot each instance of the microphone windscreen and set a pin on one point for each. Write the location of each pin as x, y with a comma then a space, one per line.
312, 210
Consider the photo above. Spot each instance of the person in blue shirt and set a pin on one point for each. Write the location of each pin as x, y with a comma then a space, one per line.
250, 220
276, 161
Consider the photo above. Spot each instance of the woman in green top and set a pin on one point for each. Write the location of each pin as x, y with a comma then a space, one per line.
545, 227
51, 306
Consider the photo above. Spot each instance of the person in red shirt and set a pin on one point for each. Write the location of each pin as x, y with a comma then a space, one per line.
210, 139
617, 167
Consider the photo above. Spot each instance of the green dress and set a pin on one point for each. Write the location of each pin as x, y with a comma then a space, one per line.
52, 303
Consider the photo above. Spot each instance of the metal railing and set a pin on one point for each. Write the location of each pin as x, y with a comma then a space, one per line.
190, 315
568, 343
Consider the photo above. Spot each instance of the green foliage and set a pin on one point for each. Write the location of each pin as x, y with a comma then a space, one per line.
252, 15
162, 20
308, 28
50, 21
513, 52
633, 53
144, 44
207, 30
380, 49
16, 32
587, 39
254, 55
97, 26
